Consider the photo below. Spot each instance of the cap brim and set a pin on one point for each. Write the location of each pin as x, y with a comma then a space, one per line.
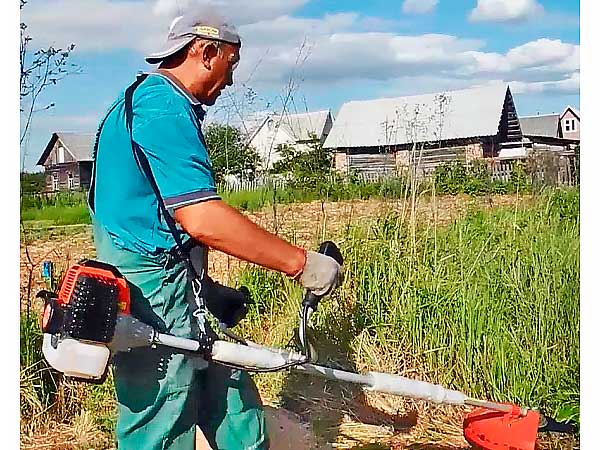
171, 47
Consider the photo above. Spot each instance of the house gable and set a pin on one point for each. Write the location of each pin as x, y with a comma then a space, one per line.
292, 129
570, 123
267, 138
64, 148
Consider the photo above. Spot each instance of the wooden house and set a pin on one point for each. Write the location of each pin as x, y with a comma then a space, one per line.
67, 161
546, 132
377, 137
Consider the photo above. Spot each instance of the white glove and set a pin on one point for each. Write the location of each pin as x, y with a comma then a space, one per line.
321, 274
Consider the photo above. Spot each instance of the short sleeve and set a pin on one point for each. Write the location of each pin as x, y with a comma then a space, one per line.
178, 158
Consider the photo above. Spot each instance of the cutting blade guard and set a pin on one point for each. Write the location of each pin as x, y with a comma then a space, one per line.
494, 430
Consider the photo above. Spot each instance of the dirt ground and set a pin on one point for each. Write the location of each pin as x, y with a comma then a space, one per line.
342, 417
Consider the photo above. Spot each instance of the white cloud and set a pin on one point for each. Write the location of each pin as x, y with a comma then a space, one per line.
334, 52
141, 25
568, 85
418, 6
94, 25
505, 10
542, 55
237, 11
334, 48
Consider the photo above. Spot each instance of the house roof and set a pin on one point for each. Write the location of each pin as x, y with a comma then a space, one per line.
299, 127
80, 145
574, 110
302, 126
545, 125
401, 120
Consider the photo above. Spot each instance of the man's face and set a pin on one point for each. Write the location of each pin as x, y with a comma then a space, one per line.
221, 74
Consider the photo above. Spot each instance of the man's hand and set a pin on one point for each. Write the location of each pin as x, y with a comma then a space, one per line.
228, 305
321, 274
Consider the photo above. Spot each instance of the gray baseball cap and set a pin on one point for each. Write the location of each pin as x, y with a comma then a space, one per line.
185, 28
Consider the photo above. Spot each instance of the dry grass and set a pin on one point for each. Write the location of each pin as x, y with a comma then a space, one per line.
81, 433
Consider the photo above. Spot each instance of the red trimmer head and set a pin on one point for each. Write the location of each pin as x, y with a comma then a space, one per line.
493, 430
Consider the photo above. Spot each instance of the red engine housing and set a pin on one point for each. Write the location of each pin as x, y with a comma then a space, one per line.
100, 271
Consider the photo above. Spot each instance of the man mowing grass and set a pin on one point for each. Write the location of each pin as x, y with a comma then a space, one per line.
153, 193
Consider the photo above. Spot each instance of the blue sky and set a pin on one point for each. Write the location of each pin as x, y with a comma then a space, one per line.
352, 50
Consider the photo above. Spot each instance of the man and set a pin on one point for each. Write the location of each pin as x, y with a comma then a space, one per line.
163, 395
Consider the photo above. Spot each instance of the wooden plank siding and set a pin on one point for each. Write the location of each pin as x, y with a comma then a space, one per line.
372, 164
425, 160
80, 172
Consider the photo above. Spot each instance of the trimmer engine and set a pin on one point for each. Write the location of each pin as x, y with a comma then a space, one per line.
80, 320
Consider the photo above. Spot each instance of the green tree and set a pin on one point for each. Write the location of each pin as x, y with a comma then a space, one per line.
33, 182
306, 167
229, 154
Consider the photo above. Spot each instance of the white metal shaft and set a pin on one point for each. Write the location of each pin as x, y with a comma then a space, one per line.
176, 342
268, 358
259, 357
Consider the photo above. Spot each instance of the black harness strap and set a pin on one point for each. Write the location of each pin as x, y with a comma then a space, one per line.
144, 165
180, 251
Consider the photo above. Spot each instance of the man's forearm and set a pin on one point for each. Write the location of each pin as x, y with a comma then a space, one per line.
219, 226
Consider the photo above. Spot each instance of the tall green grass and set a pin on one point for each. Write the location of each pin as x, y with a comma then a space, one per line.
488, 305
38, 384
58, 215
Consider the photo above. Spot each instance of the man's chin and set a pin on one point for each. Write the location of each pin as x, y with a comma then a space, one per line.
213, 98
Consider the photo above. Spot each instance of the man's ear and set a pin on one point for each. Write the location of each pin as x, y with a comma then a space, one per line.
208, 52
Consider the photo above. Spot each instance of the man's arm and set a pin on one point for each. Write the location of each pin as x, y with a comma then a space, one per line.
219, 226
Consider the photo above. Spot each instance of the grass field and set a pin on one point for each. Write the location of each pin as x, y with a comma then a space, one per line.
71, 208
488, 305
486, 302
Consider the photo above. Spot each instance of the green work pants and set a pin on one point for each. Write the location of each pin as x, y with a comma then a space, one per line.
161, 394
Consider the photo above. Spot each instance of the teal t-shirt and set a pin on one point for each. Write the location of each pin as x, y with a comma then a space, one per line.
167, 126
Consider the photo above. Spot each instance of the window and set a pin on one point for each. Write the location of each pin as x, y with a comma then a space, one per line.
55, 182
70, 181
61, 155
570, 125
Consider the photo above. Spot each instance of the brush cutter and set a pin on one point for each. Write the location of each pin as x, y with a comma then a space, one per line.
89, 320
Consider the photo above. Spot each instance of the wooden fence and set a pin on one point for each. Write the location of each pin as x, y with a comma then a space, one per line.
251, 185
548, 169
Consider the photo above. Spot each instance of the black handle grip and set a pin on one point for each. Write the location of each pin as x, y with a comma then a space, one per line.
330, 249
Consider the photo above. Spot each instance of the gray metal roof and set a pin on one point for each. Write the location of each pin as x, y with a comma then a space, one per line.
546, 125
420, 118
80, 145
300, 126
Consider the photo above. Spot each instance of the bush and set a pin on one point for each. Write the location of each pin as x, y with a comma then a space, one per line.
475, 179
